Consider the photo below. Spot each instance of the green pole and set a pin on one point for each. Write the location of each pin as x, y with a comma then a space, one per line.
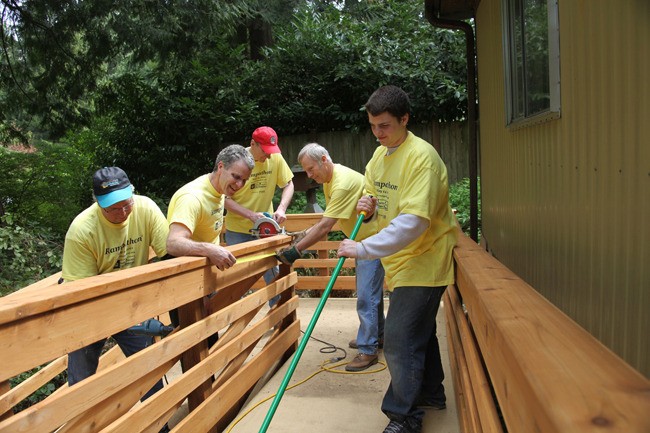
305, 338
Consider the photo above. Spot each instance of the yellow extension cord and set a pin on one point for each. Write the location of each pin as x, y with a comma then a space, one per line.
323, 368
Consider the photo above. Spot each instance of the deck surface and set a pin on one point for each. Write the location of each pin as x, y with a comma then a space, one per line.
333, 402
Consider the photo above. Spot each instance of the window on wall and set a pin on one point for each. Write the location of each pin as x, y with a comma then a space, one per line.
532, 61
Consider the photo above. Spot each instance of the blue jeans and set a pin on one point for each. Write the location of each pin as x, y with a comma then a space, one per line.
234, 238
82, 363
412, 352
370, 304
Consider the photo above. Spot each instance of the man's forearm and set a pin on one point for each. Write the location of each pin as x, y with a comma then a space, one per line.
285, 198
401, 231
180, 246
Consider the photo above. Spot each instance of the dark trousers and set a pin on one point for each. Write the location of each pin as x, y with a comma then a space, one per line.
412, 352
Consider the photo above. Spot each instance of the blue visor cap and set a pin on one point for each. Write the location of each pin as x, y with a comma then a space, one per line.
117, 196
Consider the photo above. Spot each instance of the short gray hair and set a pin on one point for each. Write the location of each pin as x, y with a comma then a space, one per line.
315, 151
232, 154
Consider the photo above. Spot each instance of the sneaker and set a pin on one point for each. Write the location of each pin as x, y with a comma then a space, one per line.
353, 344
402, 427
361, 362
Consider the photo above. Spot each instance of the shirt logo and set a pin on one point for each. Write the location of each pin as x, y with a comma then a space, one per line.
385, 185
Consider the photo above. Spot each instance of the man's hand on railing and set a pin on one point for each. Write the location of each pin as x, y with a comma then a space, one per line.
288, 255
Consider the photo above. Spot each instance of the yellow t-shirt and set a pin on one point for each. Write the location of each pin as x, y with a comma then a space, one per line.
199, 207
94, 245
413, 180
342, 193
257, 194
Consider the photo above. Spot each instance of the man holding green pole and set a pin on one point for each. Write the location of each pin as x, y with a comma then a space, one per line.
410, 203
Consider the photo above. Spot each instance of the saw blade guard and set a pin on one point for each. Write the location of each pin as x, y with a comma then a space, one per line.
266, 227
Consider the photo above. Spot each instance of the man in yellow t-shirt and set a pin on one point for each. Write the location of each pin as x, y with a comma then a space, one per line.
342, 188
255, 199
112, 234
195, 213
408, 182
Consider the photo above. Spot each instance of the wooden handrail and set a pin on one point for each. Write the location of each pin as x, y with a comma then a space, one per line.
548, 373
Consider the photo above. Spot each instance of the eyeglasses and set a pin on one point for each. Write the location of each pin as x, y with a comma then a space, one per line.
115, 210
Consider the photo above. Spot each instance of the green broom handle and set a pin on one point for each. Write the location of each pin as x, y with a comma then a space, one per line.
305, 338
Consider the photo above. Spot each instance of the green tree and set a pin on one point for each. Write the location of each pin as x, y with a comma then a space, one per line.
54, 52
326, 62
164, 125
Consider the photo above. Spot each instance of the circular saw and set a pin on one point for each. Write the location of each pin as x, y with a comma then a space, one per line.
266, 227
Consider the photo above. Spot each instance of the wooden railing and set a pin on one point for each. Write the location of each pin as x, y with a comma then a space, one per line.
320, 259
516, 357
42, 323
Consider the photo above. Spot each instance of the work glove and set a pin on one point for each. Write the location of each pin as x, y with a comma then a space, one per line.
288, 255
297, 236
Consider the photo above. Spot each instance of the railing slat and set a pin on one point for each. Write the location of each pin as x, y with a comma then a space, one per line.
154, 407
29, 302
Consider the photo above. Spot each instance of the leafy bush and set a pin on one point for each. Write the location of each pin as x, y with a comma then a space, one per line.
27, 254
459, 200
47, 185
40, 393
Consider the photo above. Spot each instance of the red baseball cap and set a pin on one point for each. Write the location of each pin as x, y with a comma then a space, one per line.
267, 139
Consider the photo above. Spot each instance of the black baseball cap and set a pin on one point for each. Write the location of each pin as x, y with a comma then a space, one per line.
111, 185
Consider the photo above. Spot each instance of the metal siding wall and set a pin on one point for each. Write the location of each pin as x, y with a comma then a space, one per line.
566, 203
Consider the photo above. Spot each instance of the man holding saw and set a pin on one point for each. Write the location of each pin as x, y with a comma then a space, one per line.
343, 187
250, 210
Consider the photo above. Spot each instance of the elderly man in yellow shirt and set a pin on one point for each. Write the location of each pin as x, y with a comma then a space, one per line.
408, 182
343, 187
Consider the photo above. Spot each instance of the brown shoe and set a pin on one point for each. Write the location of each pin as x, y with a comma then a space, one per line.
361, 362
353, 344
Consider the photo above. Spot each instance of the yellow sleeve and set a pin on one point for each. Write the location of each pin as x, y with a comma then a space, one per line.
284, 173
187, 210
79, 260
158, 230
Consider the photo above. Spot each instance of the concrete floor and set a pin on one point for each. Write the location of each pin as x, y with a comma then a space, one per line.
337, 401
